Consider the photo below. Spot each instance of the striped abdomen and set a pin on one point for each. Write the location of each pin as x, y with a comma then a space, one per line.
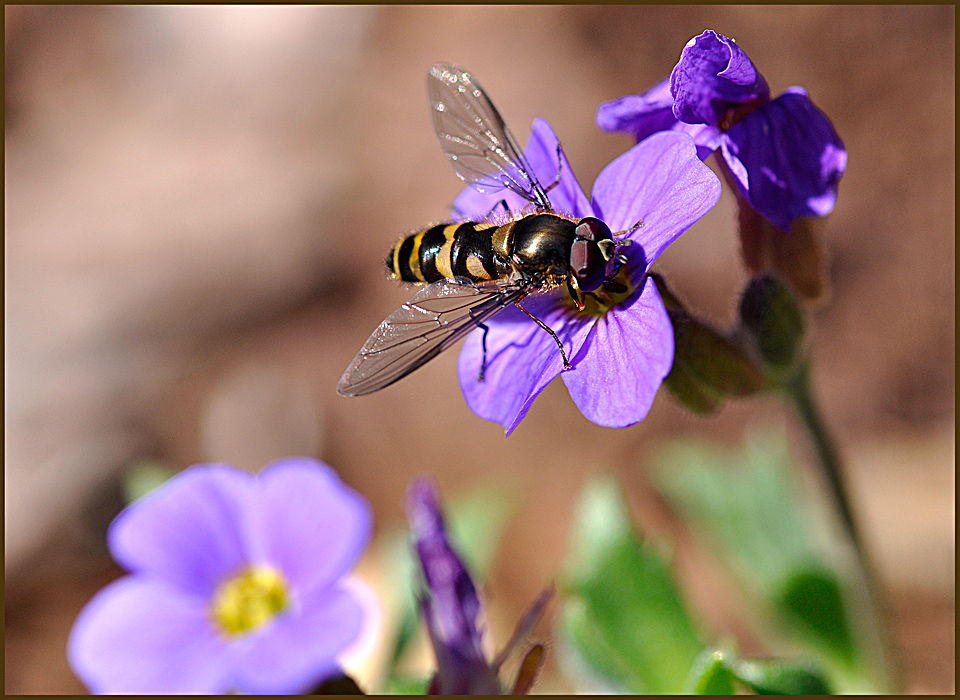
448, 250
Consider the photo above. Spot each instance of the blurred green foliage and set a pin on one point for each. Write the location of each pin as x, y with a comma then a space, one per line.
623, 616
624, 626
748, 507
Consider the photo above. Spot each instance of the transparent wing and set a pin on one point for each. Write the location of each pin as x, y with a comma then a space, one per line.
475, 139
435, 318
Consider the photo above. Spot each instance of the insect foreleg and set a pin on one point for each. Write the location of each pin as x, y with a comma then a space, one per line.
544, 326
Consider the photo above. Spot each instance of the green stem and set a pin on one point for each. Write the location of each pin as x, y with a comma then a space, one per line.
798, 390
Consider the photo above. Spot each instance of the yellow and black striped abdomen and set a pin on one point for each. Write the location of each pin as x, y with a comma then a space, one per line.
445, 251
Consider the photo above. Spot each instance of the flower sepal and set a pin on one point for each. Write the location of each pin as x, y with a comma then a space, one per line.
797, 256
708, 368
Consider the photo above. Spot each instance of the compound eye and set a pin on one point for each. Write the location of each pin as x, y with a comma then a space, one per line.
587, 264
592, 229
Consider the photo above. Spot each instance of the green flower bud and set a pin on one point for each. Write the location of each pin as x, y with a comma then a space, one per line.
708, 367
770, 313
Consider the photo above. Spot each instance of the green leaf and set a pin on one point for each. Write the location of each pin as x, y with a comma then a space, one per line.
744, 504
783, 678
719, 672
624, 621
747, 505
711, 675
407, 685
812, 601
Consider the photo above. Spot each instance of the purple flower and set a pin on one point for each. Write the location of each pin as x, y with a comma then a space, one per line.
235, 584
784, 154
620, 346
453, 611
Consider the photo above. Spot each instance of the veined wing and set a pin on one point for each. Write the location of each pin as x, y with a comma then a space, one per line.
475, 138
435, 318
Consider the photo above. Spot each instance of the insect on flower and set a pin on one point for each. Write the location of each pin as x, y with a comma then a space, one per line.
473, 270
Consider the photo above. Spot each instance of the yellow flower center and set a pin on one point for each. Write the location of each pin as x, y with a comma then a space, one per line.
249, 601
599, 302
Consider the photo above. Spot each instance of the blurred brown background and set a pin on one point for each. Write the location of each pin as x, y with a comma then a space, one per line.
199, 199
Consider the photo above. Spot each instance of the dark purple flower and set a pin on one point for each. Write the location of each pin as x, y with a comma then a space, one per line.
450, 603
452, 609
621, 347
784, 154
236, 584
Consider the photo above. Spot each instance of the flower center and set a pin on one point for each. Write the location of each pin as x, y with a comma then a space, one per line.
738, 114
611, 293
250, 600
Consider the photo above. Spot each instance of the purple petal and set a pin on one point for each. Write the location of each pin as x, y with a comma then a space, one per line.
660, 182
624, 363
299, 650
452, 604
143, 635
193, 531
639, 115
522, 358
541, 155
313, 527
787, 159
713, 76
646, 114
541, 152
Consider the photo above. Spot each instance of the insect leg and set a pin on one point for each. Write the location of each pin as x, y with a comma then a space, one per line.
574, 290
501, 203
544, 326
483, 342
559, 169
463, 217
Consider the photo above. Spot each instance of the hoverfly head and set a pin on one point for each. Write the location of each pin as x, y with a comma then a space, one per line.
592, 248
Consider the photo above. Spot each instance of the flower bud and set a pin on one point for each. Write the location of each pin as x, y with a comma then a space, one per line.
708, 367
770, 313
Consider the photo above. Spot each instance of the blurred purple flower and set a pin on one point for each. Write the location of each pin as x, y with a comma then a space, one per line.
453, 611
621, 347
235, 584
784, 154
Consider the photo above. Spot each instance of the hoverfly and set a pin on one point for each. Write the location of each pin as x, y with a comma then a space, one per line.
473, 270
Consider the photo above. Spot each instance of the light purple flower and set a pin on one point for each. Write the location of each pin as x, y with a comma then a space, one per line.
236, 584
784, 154
622, 349
453, 612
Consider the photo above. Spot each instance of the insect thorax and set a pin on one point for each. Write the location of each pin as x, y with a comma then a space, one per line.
541, 243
